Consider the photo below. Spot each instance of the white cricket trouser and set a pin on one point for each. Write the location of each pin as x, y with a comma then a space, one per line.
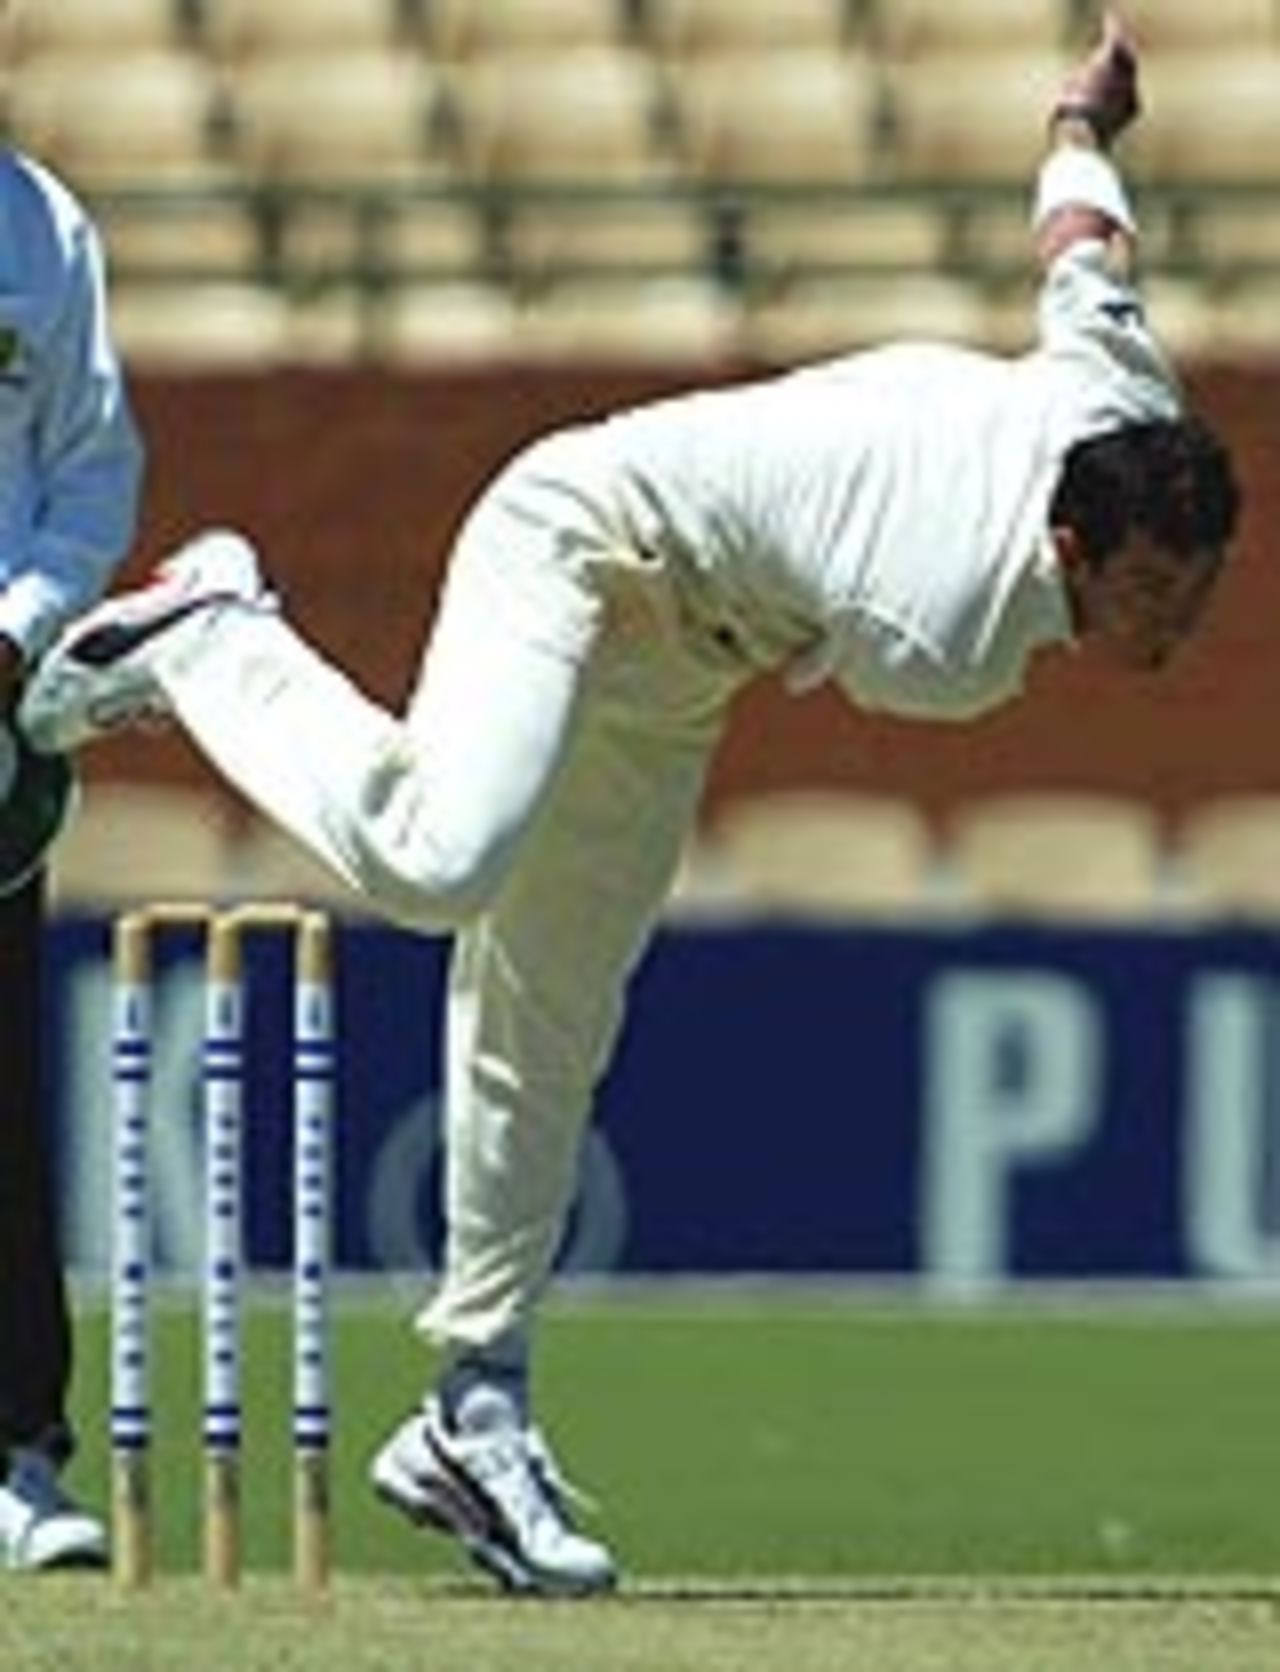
535, 797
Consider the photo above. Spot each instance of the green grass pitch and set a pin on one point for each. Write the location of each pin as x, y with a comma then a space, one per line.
776, 1433
802, 1479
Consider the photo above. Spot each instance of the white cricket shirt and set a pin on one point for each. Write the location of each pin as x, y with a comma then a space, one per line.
880, 519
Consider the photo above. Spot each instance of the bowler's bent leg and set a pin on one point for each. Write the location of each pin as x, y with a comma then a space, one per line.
423, 815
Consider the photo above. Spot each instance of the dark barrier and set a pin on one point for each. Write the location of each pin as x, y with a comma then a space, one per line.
964, 1106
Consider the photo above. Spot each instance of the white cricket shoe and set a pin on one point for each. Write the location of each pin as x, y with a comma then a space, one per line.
99, 675
40, 1526
494, 1487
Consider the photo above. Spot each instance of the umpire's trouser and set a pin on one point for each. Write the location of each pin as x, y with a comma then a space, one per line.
35, 1345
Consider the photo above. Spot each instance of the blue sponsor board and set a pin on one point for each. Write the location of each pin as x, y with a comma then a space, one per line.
964, 1105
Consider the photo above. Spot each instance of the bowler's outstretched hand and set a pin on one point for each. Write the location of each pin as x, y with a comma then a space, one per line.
1103, 90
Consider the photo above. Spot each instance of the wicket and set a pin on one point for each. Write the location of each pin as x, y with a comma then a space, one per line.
222, 1080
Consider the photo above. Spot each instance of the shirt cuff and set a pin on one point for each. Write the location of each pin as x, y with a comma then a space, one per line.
1074, 177
28, 615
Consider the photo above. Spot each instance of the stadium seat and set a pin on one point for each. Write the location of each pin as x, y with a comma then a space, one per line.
201, 327
806, 117
378, 237
1186, 313
684, 29
1232, 236
239, 30
268, 864
815, 315
703, 890
132, 841
862, 235
660, 319
983, 124
1227, 857
1057, 855
184, 235
825, 854
942, 29
327, 324
433, 237
1246, 319
467, 29
139, 118
1213, 118
592, 115
444, 324
338, 118
662, 231
91, 26
992, 233
1192, 25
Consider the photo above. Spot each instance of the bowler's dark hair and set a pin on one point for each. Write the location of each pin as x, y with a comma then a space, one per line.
1170, 478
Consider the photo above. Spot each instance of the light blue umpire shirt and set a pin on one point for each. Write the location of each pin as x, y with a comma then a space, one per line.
70, 456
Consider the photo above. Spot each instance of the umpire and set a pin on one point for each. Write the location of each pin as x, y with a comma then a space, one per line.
70, 471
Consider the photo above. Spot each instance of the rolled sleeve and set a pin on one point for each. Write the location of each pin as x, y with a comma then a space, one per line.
1072, 177
1092, 317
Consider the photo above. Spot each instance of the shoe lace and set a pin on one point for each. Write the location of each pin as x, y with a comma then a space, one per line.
504, 1468
153, 716
563, 1493
133, 713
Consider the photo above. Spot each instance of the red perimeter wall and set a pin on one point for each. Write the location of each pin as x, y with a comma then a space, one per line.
352, 482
